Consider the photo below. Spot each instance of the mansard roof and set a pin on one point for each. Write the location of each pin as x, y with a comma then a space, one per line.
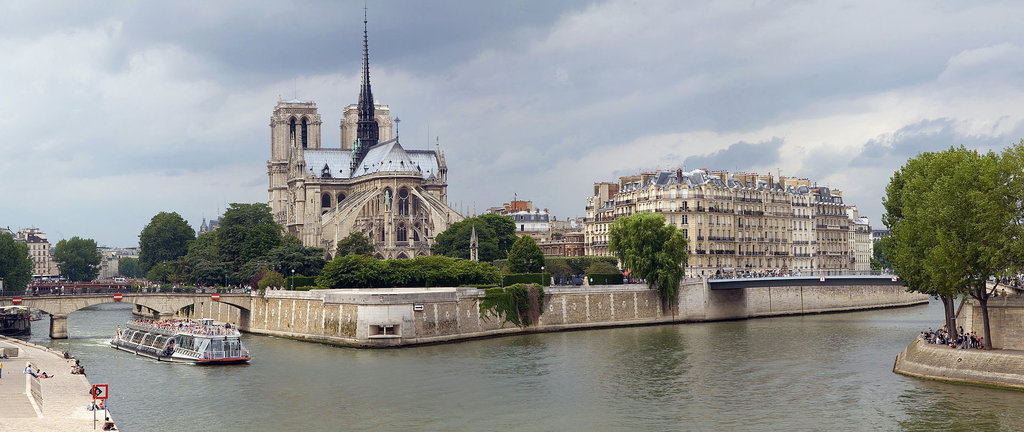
388, 156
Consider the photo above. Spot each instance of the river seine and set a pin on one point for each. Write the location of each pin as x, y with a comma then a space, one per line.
819, 372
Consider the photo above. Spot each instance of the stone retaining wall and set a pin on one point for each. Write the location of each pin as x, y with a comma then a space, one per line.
410, 316
938, 362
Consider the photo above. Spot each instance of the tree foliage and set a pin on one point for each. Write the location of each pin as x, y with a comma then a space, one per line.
129, 267
271, 279
652, 250
15, 264
358, 271
247, 231
165, 238
954, 219
78, 258
525, 256
495, 233
602, 267
355, 243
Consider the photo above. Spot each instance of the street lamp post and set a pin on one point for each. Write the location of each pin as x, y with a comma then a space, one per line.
293, 279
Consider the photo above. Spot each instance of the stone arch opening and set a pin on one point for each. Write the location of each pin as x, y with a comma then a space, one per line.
402, 255
291, 131
325, 200
402, 234
305, 134
341, 197
403, 201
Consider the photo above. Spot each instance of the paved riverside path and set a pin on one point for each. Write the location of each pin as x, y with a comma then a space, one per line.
65, 396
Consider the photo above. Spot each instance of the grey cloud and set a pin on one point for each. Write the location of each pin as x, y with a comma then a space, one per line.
741, 155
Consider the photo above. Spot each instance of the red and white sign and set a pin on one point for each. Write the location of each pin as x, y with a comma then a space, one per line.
894, 278
822, 278
16, 300
215, 296
99, 391
118, 297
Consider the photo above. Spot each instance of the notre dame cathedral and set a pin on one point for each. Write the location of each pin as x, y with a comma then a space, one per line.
370, 184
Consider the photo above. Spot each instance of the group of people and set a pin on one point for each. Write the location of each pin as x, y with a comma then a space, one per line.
184, 326
962, 341
36, 373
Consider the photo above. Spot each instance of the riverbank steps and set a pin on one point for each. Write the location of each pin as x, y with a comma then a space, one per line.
65, 397
995, 368
395, 317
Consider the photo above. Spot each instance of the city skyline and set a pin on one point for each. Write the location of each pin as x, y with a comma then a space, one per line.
119, 111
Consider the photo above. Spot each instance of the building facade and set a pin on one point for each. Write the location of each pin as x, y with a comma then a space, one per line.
40, 250
370, 183
734, 223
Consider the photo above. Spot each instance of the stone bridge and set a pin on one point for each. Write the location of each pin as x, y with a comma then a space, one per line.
162, 305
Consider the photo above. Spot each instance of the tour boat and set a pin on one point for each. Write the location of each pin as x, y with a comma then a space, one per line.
196, 342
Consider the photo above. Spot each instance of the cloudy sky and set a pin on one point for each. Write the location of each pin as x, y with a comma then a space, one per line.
111, 112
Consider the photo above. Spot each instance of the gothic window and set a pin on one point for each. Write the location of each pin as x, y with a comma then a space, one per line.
403, 201
325, 200
416, 233
402, 233
341, 197
291, 132
381, 233
304, 134
402, 256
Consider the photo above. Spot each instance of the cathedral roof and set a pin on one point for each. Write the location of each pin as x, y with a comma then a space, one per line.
388, 156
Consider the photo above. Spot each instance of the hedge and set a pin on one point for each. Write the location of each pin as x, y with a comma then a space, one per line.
605, 279
543, 279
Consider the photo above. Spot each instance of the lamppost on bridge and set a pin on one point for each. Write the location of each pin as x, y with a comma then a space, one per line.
293, 280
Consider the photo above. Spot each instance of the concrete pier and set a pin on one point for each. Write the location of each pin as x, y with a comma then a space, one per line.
995, 368
64, 397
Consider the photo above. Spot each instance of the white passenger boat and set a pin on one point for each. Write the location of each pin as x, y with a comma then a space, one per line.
196, 342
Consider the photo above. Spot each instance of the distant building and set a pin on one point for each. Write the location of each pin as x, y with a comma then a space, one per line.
211, 226
40, 250
535, 223
111, 259
564, 245
733, 222
859, 240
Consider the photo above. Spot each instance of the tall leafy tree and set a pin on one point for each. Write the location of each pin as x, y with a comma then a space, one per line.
355, 243
652, 250
15, 264
246, 233
78, 258
525, 256
496, 234
165, 238
129, 267
292, 255
202, 264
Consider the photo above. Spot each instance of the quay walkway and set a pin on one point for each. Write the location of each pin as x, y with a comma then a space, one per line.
65, 397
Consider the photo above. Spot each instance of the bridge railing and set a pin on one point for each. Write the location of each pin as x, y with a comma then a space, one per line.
800, 273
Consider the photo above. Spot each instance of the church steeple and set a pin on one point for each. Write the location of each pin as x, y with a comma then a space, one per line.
367, 131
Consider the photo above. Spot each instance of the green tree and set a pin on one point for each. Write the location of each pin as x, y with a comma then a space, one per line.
355, 243
495, 233
247, 232
165, 238
878, 261
954, 220
164, 272
78, 258
601, 267
652, 250
557, 268
129, 267
525, 256
271, 279
291, 256
202, 265
15, 264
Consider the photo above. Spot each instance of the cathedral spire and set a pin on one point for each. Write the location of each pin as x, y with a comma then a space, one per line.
367, 131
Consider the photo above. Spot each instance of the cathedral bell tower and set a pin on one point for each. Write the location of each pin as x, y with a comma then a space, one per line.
367, 131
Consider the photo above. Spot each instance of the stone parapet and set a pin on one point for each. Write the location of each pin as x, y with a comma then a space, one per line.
999, 368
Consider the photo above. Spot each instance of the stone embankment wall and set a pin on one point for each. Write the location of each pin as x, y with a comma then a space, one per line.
1006, 320
938, 362
409, 316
